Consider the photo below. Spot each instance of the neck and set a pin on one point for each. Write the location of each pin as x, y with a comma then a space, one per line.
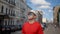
31, 21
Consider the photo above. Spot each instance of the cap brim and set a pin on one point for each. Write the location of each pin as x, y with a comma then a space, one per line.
31, 12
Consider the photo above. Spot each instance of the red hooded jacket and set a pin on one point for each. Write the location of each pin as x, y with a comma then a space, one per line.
34, 28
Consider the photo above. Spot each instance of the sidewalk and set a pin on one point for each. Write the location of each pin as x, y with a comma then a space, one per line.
52, 30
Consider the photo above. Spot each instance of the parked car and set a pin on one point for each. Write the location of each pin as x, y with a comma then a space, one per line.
6, 29
12, 28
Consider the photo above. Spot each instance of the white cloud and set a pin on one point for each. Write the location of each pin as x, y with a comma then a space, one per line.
46, 6
38, 9
42, 2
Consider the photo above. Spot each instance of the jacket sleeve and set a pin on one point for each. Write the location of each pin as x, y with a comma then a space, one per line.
40, 30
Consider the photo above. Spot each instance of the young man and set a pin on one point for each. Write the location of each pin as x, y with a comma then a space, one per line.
32, 26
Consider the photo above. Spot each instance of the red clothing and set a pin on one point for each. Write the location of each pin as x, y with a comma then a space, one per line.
34, 28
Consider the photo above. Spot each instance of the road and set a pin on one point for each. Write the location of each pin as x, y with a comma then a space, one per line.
52, 30
17, 32
49, 30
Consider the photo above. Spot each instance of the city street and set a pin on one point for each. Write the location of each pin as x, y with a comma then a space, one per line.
49, 30
52, 30
17, 32
14, 13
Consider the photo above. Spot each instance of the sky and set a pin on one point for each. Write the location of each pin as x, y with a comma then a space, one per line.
45, 5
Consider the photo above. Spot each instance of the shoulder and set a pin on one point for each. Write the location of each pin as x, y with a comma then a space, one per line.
38, 24
25, 24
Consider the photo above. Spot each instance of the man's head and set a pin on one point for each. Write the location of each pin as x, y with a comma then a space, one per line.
31, 15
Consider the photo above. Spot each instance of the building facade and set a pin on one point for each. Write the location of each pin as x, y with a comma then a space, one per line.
56, 15
13, 12
44, 20
10, 10
39, 16
24, 9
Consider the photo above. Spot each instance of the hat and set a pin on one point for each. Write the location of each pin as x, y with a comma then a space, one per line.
32, 11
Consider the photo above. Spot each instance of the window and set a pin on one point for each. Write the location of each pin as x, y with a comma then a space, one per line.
22, 0
11, 22
2, 9
9, 1
5, 22
6, 10
9, 11
8, 22
13, 13
6, 0
12, 2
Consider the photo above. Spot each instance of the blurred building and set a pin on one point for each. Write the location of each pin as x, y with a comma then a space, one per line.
24, 9
28, 10
39, 16
8, 10
44, 20
13, 12
56, 15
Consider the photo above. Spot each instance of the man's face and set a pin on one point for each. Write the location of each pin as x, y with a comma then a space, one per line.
31, 16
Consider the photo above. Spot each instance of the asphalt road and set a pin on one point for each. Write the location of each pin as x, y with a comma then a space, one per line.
52, 30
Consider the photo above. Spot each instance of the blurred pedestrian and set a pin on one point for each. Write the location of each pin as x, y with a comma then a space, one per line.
32, 26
